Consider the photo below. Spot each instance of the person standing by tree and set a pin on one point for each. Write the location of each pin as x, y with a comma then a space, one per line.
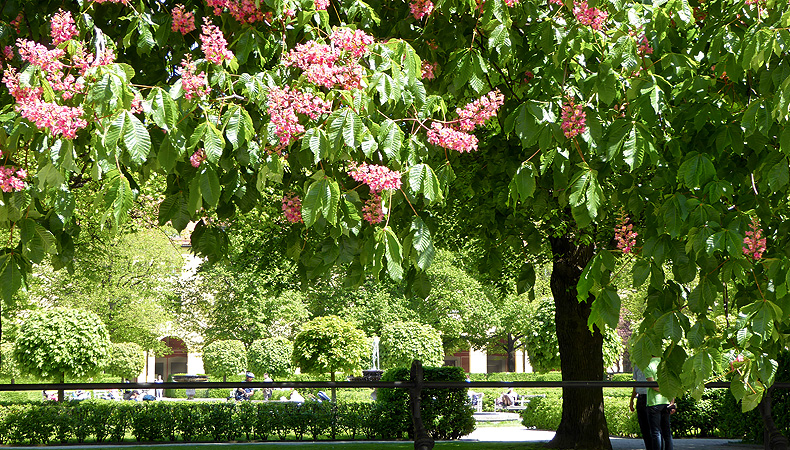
641, 408
659, 409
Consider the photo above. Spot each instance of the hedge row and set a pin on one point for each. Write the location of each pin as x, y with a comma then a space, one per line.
716, 414
108, 421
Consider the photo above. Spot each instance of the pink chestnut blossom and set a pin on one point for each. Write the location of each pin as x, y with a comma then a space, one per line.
63, 27
378, 178
214, 45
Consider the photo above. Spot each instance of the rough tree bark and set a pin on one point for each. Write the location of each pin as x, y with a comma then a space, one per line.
511, 353
583, 424
773, 439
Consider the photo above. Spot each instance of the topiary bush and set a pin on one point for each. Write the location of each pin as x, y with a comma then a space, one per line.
272, 356
446, 413
403, 342
59, 342
223, 358
127, 360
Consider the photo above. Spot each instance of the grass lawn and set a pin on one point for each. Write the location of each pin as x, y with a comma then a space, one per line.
348, 446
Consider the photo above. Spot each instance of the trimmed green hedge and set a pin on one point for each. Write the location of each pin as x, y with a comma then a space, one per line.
716, 414
105, 421
446, 413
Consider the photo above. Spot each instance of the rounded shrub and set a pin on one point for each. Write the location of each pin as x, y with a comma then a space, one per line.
127, 360
272, 356
223, 358
403, 342
59, 342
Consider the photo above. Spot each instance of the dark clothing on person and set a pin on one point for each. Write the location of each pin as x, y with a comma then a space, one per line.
661, 431
641, 416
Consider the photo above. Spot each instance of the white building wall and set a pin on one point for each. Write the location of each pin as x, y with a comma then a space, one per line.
195, 363
478, 361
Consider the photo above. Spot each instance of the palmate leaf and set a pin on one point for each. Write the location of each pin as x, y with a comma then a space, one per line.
209, 186
523, 184
423, 181
238, 126
394, 254
163, 109
422, 243
11, 276
136, 138
124, 200
214, 143
390, 138
36, 240
696, 171
605, 310
322, 198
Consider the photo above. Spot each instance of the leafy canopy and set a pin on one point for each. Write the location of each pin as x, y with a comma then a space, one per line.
59, 342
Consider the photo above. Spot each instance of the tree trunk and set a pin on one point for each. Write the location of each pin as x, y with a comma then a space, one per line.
61, 393
511, 353
333, 388
773, 439
583, 424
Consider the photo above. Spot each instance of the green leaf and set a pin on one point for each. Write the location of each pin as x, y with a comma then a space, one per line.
605, 309
319, 144
37, 241
779, 176
11, 276
322, 199
696, 170
238, 126
214, 143
423, 181
422, 243
394, 254
523, 184
390, 139
163, 109
113, 132
136, 138
702, 297
209, 186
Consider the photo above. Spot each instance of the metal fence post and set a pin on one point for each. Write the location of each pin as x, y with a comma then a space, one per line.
422, 440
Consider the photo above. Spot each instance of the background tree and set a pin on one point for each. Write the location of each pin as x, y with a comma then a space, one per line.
679, 123
329, 344
8, 366
403, 342
58, 342
126, 360
119, 276
225, 357
272, 355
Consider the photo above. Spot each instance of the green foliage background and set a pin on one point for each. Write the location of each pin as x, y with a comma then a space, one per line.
58, 342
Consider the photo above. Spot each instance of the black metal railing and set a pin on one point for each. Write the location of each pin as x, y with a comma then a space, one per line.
415, 385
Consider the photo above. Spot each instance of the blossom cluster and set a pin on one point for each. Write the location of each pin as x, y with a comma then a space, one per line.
63, 27
193, 84
644, 46
17, 21
197, 158
457, 135
624, 235
573, 119
429, 70
321, 5
326, 65
183, 21
420, 8
125, 2
378, 178
372, 212
292, 208
754, 242
244, 11
60, 120
284, 104
353, 41
12, 179
556, 2
479, 111
214, 45
593, 17
450, 138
